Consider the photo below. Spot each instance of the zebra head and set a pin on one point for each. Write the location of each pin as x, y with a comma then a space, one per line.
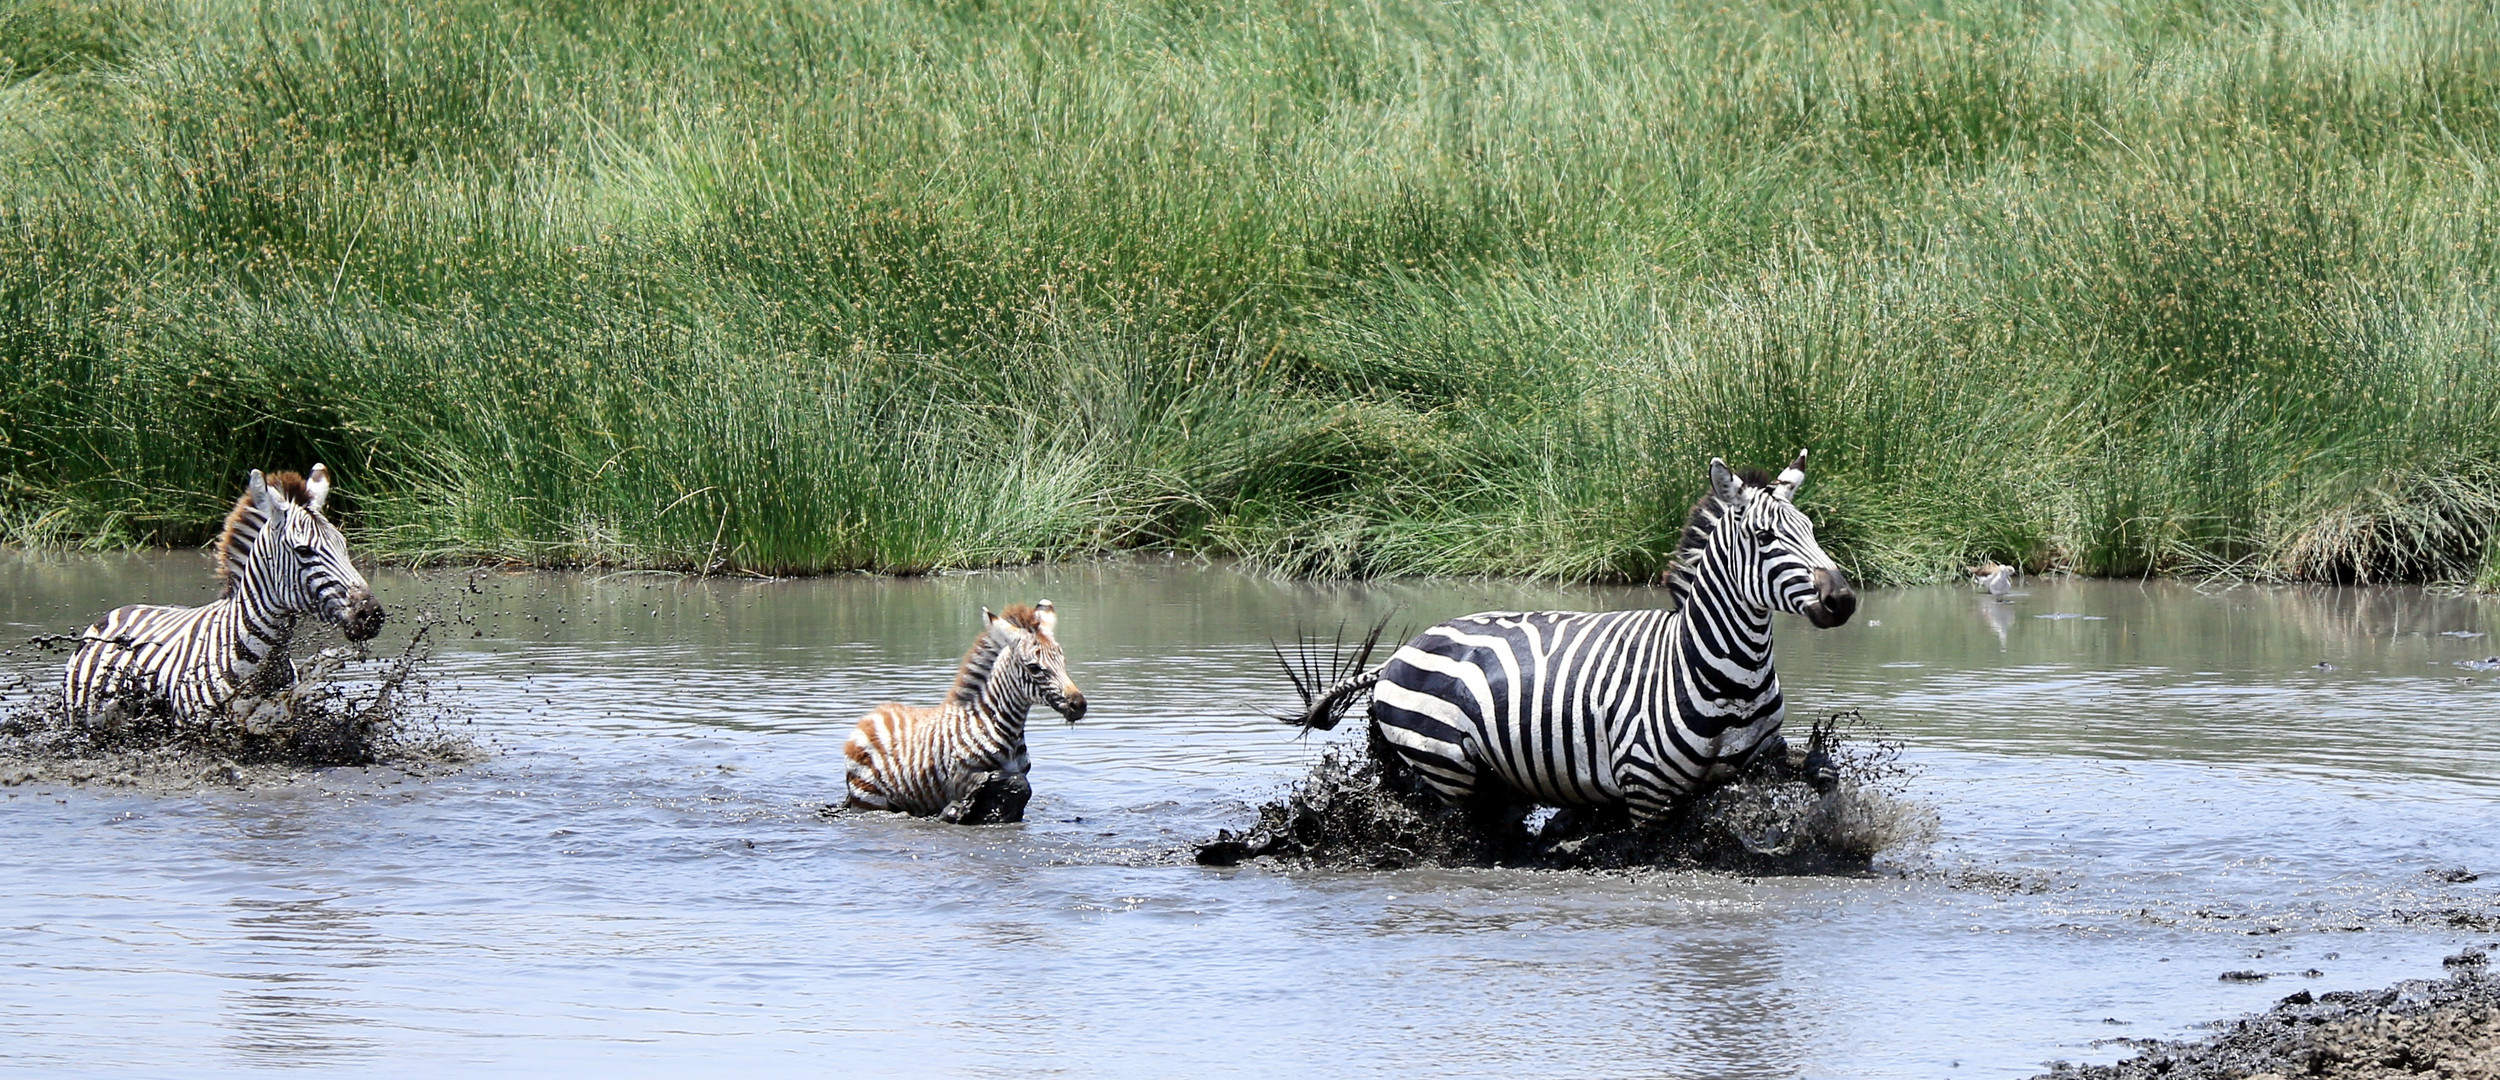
1755, 541
301, 559
1030, 654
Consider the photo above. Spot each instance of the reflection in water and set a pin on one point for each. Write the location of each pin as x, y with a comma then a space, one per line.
639, 880
292, 1004
1999, 614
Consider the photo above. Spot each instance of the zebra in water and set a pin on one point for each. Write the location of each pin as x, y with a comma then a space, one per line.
1619, 709
279, 559
964, 759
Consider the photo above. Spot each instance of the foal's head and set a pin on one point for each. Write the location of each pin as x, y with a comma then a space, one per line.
1028, 652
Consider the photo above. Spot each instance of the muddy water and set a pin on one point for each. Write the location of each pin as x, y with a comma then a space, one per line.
2139, 789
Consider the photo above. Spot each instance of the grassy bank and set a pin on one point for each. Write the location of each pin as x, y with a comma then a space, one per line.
1344, 288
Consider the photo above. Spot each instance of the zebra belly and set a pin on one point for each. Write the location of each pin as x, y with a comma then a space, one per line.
902, 758
1474, 698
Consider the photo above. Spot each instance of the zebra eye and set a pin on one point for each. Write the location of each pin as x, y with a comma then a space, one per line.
1762, 536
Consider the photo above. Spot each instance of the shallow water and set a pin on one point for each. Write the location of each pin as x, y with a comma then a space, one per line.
2140, 787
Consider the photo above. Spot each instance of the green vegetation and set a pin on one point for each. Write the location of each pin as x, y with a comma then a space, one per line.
1344, 288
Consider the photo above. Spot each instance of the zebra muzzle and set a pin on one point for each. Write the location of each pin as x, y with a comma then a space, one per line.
362, 617
1833, 601
1070, 704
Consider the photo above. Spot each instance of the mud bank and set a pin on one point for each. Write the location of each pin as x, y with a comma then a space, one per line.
346, 708
2448, 1028
1351, 814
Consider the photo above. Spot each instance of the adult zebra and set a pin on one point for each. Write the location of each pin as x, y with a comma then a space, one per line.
280, 559
1632, 709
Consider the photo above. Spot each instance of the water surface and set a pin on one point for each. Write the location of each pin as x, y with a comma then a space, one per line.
2139, 787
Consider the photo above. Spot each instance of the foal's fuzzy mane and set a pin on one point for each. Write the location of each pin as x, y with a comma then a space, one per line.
289, 485
983, 655
1023, 616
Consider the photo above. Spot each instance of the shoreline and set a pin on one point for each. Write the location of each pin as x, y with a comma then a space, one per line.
2445, 1027
1237, 563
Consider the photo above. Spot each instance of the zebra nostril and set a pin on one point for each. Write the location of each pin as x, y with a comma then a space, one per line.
364, 616
1833, 602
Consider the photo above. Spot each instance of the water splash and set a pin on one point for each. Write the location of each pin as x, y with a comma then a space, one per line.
1348, 814
347, 707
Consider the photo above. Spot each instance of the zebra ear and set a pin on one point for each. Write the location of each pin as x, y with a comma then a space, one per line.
318, 485
1046, 617
1723, 482
1791, 478
257, 486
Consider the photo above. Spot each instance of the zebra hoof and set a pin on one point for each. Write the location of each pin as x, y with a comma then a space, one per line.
1821, 773
1228, 849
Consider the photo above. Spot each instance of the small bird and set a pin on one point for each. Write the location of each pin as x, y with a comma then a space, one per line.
1997, 578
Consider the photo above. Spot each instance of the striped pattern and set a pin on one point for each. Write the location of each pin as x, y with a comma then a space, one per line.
1628, 708
964, 759
280, 559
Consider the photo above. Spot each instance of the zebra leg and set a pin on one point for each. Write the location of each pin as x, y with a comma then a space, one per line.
1574, 821
1415, 759
1821, 771
1771, 759
998, 799
1497, 812
988, 797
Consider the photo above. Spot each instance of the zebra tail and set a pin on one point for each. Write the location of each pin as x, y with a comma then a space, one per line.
1323, 713
1344, 678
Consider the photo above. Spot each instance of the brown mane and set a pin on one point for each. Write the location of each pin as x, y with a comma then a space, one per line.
1022, 615
288, 485
983, 655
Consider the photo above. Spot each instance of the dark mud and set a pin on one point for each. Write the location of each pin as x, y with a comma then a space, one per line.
347, 707
1348, 814
2448, 1028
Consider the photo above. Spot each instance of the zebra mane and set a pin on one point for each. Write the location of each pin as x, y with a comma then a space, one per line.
244, 522
982, 657
1701, 523
1023, 616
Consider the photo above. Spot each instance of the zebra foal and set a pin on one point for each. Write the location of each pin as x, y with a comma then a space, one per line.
1617, 709
279, 560
964, 759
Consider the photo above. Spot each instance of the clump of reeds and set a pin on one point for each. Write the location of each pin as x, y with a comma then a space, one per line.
1344, 289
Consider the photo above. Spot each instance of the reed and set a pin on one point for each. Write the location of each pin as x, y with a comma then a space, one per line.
1361, 287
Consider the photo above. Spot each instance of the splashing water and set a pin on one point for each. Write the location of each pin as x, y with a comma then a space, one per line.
346, 707
1347, 815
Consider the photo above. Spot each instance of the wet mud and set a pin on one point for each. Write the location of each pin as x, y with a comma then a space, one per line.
1350, 813
2447, 1028
347, 707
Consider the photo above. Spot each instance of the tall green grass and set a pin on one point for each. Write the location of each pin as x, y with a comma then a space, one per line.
1343, 288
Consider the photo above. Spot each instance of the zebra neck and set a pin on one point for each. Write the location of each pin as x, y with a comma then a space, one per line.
1001, 710
997, 706
261, 629
1725, 642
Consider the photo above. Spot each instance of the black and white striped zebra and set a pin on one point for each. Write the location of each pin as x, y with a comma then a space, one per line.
280, 559
1630, 709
